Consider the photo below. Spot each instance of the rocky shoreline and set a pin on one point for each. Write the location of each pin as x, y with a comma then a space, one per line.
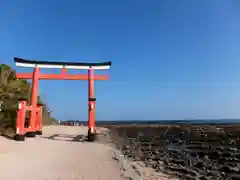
201, 152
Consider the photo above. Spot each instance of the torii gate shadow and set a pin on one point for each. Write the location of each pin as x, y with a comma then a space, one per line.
67, 137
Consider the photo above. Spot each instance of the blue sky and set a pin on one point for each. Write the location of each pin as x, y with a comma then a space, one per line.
171, 59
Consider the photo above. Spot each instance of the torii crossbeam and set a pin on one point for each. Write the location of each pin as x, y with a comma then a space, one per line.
64, 75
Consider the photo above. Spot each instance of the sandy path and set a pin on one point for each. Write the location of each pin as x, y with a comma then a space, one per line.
47, 159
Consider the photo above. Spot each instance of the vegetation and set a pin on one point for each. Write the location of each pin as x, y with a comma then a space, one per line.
11, 90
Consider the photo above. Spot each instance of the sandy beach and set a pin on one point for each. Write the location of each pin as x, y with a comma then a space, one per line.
57, 158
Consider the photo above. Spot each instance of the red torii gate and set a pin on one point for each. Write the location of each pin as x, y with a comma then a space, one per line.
35, 123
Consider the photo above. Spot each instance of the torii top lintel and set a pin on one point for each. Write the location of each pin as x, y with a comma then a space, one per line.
62, 65
68, 65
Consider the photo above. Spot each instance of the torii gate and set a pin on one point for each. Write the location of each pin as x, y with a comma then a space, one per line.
35, 109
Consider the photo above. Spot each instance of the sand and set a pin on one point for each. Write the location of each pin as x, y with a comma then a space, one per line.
59, 158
